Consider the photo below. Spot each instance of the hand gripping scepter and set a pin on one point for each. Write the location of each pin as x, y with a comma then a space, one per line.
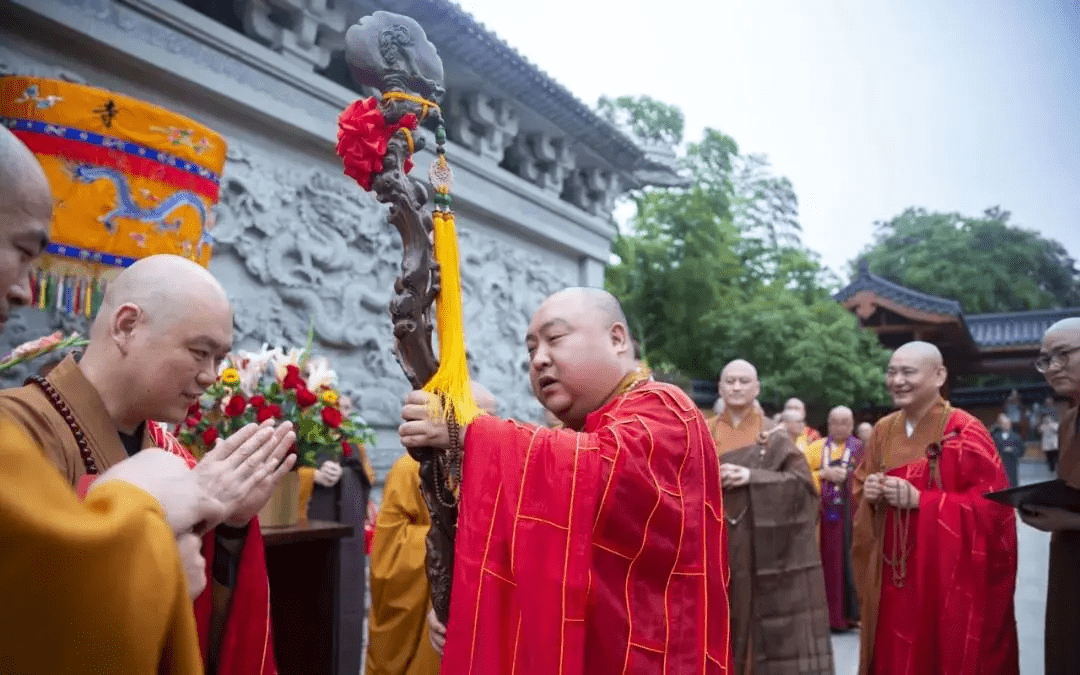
376, 140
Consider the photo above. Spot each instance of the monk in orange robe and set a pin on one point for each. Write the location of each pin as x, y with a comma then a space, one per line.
779, 612
934, 561
1059, 362
597, 548
155, 345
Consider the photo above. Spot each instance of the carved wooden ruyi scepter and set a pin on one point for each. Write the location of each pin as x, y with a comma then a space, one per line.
392, 53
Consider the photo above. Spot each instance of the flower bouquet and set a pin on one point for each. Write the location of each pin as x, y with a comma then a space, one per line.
283, 385
286, 386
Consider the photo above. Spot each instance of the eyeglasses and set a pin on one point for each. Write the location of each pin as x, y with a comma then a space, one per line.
1058, 358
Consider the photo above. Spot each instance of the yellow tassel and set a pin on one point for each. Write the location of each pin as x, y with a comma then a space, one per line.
451, 382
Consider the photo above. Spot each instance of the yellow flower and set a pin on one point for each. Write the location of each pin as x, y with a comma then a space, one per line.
230, 376
329, 397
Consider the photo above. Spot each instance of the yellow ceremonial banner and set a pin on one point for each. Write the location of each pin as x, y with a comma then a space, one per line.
129, 179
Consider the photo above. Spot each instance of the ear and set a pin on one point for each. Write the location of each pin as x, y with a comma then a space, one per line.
122, 325
620, 338
941, 376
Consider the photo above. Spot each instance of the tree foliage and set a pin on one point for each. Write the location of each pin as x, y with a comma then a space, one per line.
717, 271
644, 118
985, 263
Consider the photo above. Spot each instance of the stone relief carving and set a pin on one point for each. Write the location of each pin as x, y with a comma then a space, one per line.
481, 123
305, 31
316, 248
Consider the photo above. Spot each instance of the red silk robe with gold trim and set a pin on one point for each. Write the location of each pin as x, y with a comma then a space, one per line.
595, 552
952, 614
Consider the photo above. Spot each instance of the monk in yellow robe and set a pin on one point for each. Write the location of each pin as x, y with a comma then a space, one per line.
398, 640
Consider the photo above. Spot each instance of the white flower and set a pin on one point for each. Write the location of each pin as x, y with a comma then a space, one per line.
320, 374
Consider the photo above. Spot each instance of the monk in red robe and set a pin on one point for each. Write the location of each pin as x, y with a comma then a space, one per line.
155, 346
596, 548
934, 561
1059, 362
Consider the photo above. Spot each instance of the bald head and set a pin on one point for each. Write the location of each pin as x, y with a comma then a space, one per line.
795, 404
162, 331
600, 304
1059, 357
25, 214
164, 287
740, 366
580, 348
864, 431
915, 376
794, 423
739, 387
922, 351
841, 423
22, 180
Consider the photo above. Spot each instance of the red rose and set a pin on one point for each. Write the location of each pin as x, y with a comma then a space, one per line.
236, 406
209, 436
267, 412
332, 417
304, 397
191, 422
292, 378
346, 448
257, 401
194, 409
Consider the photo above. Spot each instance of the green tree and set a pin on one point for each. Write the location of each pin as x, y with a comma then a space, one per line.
644, 118
677, 269
985, 263
717, 271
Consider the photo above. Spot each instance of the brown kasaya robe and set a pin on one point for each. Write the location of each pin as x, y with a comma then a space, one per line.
233, 623
1063, 587
779, 611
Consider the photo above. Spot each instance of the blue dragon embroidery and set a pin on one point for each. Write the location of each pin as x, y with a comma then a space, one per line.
127, 208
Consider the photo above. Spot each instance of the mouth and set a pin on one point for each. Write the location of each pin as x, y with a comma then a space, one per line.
545, 381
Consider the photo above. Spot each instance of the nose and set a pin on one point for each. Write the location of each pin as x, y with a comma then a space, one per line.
19, 293
540, 358
207, 376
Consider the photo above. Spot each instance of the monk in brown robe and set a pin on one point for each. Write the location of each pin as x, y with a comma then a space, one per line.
779, 612
934, 560
155, 345
1059, 361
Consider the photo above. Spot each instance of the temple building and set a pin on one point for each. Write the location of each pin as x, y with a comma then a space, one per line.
295, 241
987, 355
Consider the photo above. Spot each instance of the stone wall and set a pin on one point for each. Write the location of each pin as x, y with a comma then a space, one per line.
298, 242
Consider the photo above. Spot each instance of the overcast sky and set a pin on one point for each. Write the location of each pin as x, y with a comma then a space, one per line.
868, 106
